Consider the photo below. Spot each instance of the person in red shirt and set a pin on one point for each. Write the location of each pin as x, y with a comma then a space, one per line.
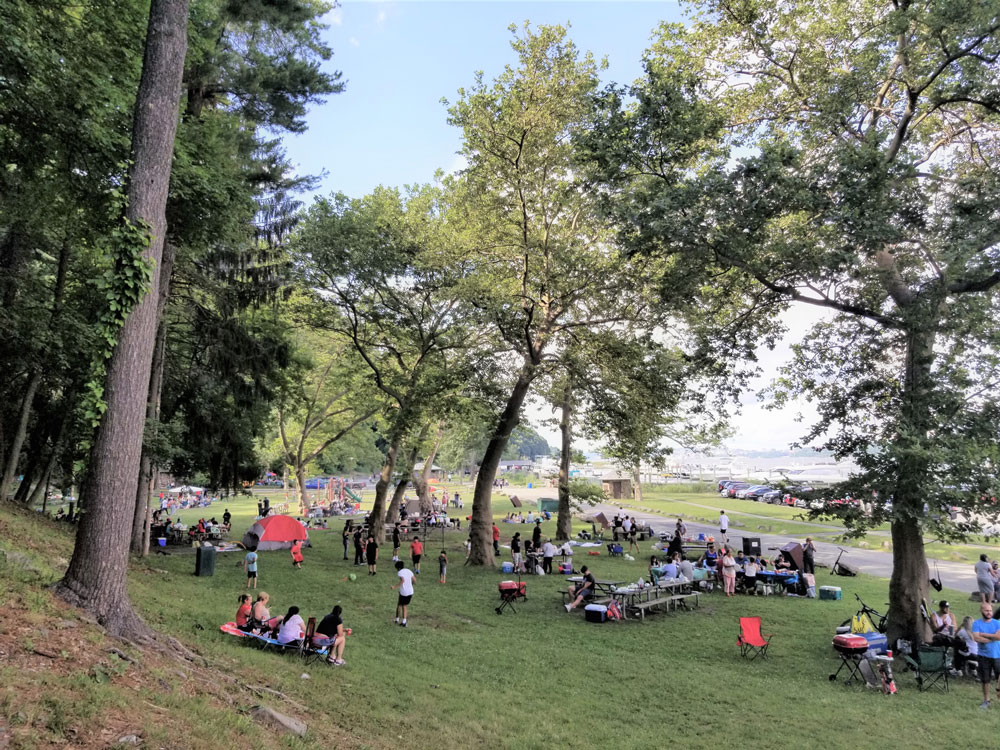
243, 613
416, 550
496, 539
297, 553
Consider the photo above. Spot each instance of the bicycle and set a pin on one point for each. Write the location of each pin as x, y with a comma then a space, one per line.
877, 619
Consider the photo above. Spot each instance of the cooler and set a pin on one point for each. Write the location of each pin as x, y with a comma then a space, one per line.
507, 567
877, 642
829, 592
595, 613
566, 568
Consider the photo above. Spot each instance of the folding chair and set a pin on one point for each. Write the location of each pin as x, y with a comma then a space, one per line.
309, 651
751, 641
930, 667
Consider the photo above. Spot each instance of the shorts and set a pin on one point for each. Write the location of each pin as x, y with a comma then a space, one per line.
371, 559
989, 668
416, 559
442, 570
404, 600
251, 574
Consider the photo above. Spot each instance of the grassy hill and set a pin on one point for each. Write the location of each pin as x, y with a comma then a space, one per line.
458, 676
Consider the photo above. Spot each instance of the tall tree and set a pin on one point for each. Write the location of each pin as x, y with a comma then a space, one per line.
376, 265
540, 263
866, 187
321, 403
96, 578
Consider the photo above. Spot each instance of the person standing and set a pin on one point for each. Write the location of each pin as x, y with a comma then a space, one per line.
548, 552
986, 632
250, 566
809, 556
724, 526
405, 586
371, 554
728, 572
515, 550
536, 534
496, 539
395, 542
443, 566
416, 551
346, 536
631, 537
984, 579
359, 550
297, 554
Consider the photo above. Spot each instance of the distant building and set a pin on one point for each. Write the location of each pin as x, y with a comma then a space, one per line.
616, 485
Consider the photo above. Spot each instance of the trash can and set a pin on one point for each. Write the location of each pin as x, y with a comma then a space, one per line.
162, 541
751, 545
204, 564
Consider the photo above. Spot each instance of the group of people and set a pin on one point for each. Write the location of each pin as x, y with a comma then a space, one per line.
290, 630
526, 553
972, 641
625, 527
988, 579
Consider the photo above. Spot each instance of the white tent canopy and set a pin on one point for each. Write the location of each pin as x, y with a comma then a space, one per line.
185, 488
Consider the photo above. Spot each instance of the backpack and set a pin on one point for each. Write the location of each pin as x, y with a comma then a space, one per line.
614, 611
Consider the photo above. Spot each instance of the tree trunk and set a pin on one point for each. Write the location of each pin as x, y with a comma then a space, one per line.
376, 523
422, 480
96, 578
481, 527
637, 483
564, 519
392, 514
909, 582
10, 470
143, 512
300, 486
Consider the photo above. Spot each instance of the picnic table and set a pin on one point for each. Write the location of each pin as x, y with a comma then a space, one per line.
603, 588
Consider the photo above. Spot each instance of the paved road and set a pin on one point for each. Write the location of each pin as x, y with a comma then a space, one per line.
873, 562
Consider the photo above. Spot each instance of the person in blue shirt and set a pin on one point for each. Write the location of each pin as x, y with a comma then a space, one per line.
986, 632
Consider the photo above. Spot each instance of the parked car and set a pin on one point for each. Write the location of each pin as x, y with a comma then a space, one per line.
758, 493
744, 494
773, 496
733, 488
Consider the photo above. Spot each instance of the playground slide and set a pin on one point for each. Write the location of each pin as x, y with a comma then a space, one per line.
356, 498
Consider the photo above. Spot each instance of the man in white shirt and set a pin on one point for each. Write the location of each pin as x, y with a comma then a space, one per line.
724, 526
405, 587
627, 524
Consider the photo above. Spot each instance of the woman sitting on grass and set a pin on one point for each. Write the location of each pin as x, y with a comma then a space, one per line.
260, 615
244, 612
292, 629
331, 633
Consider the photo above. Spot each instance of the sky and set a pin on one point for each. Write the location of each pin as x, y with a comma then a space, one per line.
389, 127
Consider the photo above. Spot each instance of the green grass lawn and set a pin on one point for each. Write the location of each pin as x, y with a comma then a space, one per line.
459, 673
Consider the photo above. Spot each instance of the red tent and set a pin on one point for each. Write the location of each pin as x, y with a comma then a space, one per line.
275, 532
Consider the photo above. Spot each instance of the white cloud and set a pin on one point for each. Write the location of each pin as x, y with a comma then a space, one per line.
380, 18
334, 17
354, 42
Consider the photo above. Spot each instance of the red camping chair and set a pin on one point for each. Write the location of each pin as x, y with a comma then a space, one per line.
751, 641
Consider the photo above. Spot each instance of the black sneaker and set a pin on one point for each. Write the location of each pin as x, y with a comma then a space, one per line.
402, 624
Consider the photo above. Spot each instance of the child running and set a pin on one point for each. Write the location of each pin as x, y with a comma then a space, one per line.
416, 551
